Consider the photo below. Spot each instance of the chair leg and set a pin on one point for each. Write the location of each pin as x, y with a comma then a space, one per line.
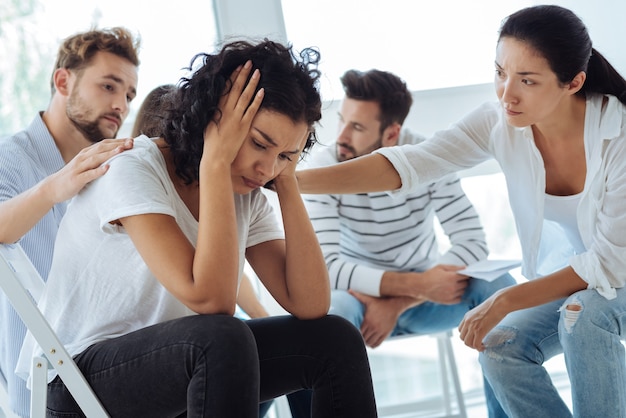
448, 363
39, 390
443, 372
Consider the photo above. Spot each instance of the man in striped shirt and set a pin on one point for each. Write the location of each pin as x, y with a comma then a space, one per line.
381, 250
93, 83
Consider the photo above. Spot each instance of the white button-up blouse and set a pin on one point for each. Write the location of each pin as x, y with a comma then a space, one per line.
601, 215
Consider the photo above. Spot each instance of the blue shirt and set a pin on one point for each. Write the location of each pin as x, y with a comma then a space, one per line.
26, 158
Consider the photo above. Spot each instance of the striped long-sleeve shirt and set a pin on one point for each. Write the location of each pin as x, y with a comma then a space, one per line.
364, 235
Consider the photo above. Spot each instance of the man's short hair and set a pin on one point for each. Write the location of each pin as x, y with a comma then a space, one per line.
384, 88
76, 51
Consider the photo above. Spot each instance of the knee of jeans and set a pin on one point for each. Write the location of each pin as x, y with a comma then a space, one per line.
505, 280
500, 343
586, 311
479, 290
226, 329
342, 330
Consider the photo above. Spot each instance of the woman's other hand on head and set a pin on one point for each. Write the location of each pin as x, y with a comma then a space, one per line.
289, 171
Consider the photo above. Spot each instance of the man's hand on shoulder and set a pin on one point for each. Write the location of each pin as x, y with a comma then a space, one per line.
84, 168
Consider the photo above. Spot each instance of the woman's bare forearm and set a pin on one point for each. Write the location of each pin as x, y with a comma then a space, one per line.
557, 285
308, 287
369, 173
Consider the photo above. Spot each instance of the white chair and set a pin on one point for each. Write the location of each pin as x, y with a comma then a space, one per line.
453, 399
22, 285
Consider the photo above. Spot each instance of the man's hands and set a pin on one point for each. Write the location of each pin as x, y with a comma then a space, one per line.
381, 316
84, 168
442, 284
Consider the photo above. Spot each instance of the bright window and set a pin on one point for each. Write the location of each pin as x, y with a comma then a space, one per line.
441, 44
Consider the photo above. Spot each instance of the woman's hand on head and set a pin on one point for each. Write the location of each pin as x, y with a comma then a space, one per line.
224, 135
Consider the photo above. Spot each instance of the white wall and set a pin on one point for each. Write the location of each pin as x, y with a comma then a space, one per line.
605, 22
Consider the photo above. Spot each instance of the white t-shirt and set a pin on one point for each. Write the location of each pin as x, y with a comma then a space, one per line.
99, 287
562, 210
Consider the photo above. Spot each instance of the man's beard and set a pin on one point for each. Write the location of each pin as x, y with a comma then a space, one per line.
78, 113
353, 151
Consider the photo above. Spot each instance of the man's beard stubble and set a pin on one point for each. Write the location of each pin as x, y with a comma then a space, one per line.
80, 119
353, 151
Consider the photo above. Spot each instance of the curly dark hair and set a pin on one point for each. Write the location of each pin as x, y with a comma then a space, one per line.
290, 82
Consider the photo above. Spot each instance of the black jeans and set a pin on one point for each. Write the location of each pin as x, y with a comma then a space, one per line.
220, 366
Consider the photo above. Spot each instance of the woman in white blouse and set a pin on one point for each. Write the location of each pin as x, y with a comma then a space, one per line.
558, 132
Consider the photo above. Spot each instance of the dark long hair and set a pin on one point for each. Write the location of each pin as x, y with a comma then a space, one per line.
562, 39
290, 82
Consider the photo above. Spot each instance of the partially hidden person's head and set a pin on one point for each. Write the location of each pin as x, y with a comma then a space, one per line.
95, 79
556, 39
150, 116
375, 105
291, 97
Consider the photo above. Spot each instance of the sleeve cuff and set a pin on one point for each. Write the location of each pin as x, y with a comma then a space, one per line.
592, 273
400, 162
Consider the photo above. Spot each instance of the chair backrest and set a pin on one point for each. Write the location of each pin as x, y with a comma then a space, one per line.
23, 285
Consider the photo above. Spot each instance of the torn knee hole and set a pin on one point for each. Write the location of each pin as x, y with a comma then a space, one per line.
572, 312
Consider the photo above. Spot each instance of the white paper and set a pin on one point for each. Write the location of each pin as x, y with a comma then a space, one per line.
490, 269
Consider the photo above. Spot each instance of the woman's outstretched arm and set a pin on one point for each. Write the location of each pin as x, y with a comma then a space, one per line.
369, 173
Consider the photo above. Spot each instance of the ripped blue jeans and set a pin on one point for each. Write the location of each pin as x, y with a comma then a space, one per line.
588, 329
